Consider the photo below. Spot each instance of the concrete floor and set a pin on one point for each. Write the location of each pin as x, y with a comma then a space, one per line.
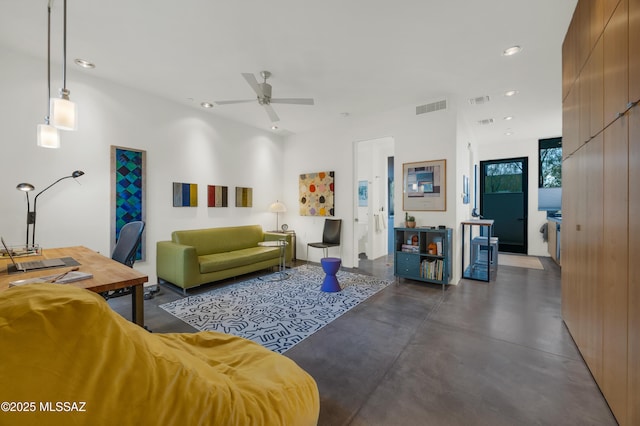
483, 353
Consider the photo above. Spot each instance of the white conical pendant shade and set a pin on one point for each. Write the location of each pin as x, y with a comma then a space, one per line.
64, 114
48, 136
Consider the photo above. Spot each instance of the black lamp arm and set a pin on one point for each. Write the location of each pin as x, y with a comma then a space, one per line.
31, 217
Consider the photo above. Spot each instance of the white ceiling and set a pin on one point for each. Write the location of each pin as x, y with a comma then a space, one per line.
352, 56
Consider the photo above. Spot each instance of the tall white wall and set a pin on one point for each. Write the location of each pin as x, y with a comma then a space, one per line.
523, 148
183, 144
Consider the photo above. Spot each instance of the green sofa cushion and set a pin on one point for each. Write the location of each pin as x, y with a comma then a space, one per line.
219, 240
221, 261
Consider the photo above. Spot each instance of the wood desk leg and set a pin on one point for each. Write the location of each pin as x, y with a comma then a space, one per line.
137, 305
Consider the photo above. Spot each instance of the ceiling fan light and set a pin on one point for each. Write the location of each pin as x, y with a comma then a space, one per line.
64, 114
48, 136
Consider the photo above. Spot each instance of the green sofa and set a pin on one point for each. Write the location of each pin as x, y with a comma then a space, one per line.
199, 256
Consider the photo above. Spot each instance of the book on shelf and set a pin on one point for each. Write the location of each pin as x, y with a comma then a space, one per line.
409, 248
69, 277
432, 269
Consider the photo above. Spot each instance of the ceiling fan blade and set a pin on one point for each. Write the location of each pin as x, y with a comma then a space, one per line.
235, 102
251, 79
297, 101
272, 114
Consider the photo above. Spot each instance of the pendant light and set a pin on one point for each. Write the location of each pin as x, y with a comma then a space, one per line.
64, 114
48, 136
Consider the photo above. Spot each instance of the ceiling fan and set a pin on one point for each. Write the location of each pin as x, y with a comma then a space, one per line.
263, 90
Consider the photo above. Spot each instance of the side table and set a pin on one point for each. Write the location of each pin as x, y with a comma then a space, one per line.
282, 244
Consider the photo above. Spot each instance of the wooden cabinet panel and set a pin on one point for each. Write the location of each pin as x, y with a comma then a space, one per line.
583, 46
633, 396
568, 237
634, 50
570, 120
596, 20
616, 63
608, 7
584, 110
591, 309
569, 52
615, 260
596, 92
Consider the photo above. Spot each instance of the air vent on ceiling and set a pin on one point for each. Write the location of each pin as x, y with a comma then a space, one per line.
432, 107
485, 122
480, 100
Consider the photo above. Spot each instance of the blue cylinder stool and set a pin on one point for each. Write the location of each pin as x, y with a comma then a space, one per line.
330, 265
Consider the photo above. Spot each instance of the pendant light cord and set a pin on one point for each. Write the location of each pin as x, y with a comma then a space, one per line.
49, 61
64, 48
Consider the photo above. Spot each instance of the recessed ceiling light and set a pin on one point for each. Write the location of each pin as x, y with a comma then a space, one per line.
84, 64
511, 51
206, 104
509, 132
274, 127
508, 117
511, 93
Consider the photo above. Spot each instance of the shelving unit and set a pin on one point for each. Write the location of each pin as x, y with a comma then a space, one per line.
413, 259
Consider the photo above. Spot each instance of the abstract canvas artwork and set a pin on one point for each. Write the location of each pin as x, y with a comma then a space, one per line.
363, 196
128, 186
425, 186
317, 194
244, 197
217, 196
185, 194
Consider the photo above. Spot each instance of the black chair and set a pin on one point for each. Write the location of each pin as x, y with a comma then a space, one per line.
125, 252
330, 236
128, 243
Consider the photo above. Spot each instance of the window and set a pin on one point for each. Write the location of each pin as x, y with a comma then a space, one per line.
550, 175
550, 165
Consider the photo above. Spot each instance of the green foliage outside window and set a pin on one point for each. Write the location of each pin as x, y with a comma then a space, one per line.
550, 165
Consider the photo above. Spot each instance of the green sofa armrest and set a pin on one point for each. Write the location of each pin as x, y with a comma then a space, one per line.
177, 263
274, 236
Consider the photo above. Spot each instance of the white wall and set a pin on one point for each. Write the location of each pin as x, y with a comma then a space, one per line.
523, 148
429, 136
183, 144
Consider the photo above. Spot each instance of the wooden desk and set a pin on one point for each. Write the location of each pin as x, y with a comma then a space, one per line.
107, 274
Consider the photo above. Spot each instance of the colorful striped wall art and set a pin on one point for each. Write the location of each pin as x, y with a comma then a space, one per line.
217, 196
244, 197
185, 194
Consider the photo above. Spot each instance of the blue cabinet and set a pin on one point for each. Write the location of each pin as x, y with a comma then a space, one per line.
423, 254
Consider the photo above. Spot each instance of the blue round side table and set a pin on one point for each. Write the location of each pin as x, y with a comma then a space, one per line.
330, 265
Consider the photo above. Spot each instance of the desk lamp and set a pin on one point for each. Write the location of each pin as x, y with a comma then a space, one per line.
31, 215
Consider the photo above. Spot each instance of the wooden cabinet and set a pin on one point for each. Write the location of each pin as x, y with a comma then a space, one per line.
601, 199
423, 254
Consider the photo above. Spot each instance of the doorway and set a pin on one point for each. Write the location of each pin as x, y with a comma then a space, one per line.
373, 161
503, 198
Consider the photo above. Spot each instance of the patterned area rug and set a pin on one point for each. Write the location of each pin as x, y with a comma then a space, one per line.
278, 315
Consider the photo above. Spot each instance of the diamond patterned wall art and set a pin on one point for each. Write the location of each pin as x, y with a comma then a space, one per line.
128, 192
